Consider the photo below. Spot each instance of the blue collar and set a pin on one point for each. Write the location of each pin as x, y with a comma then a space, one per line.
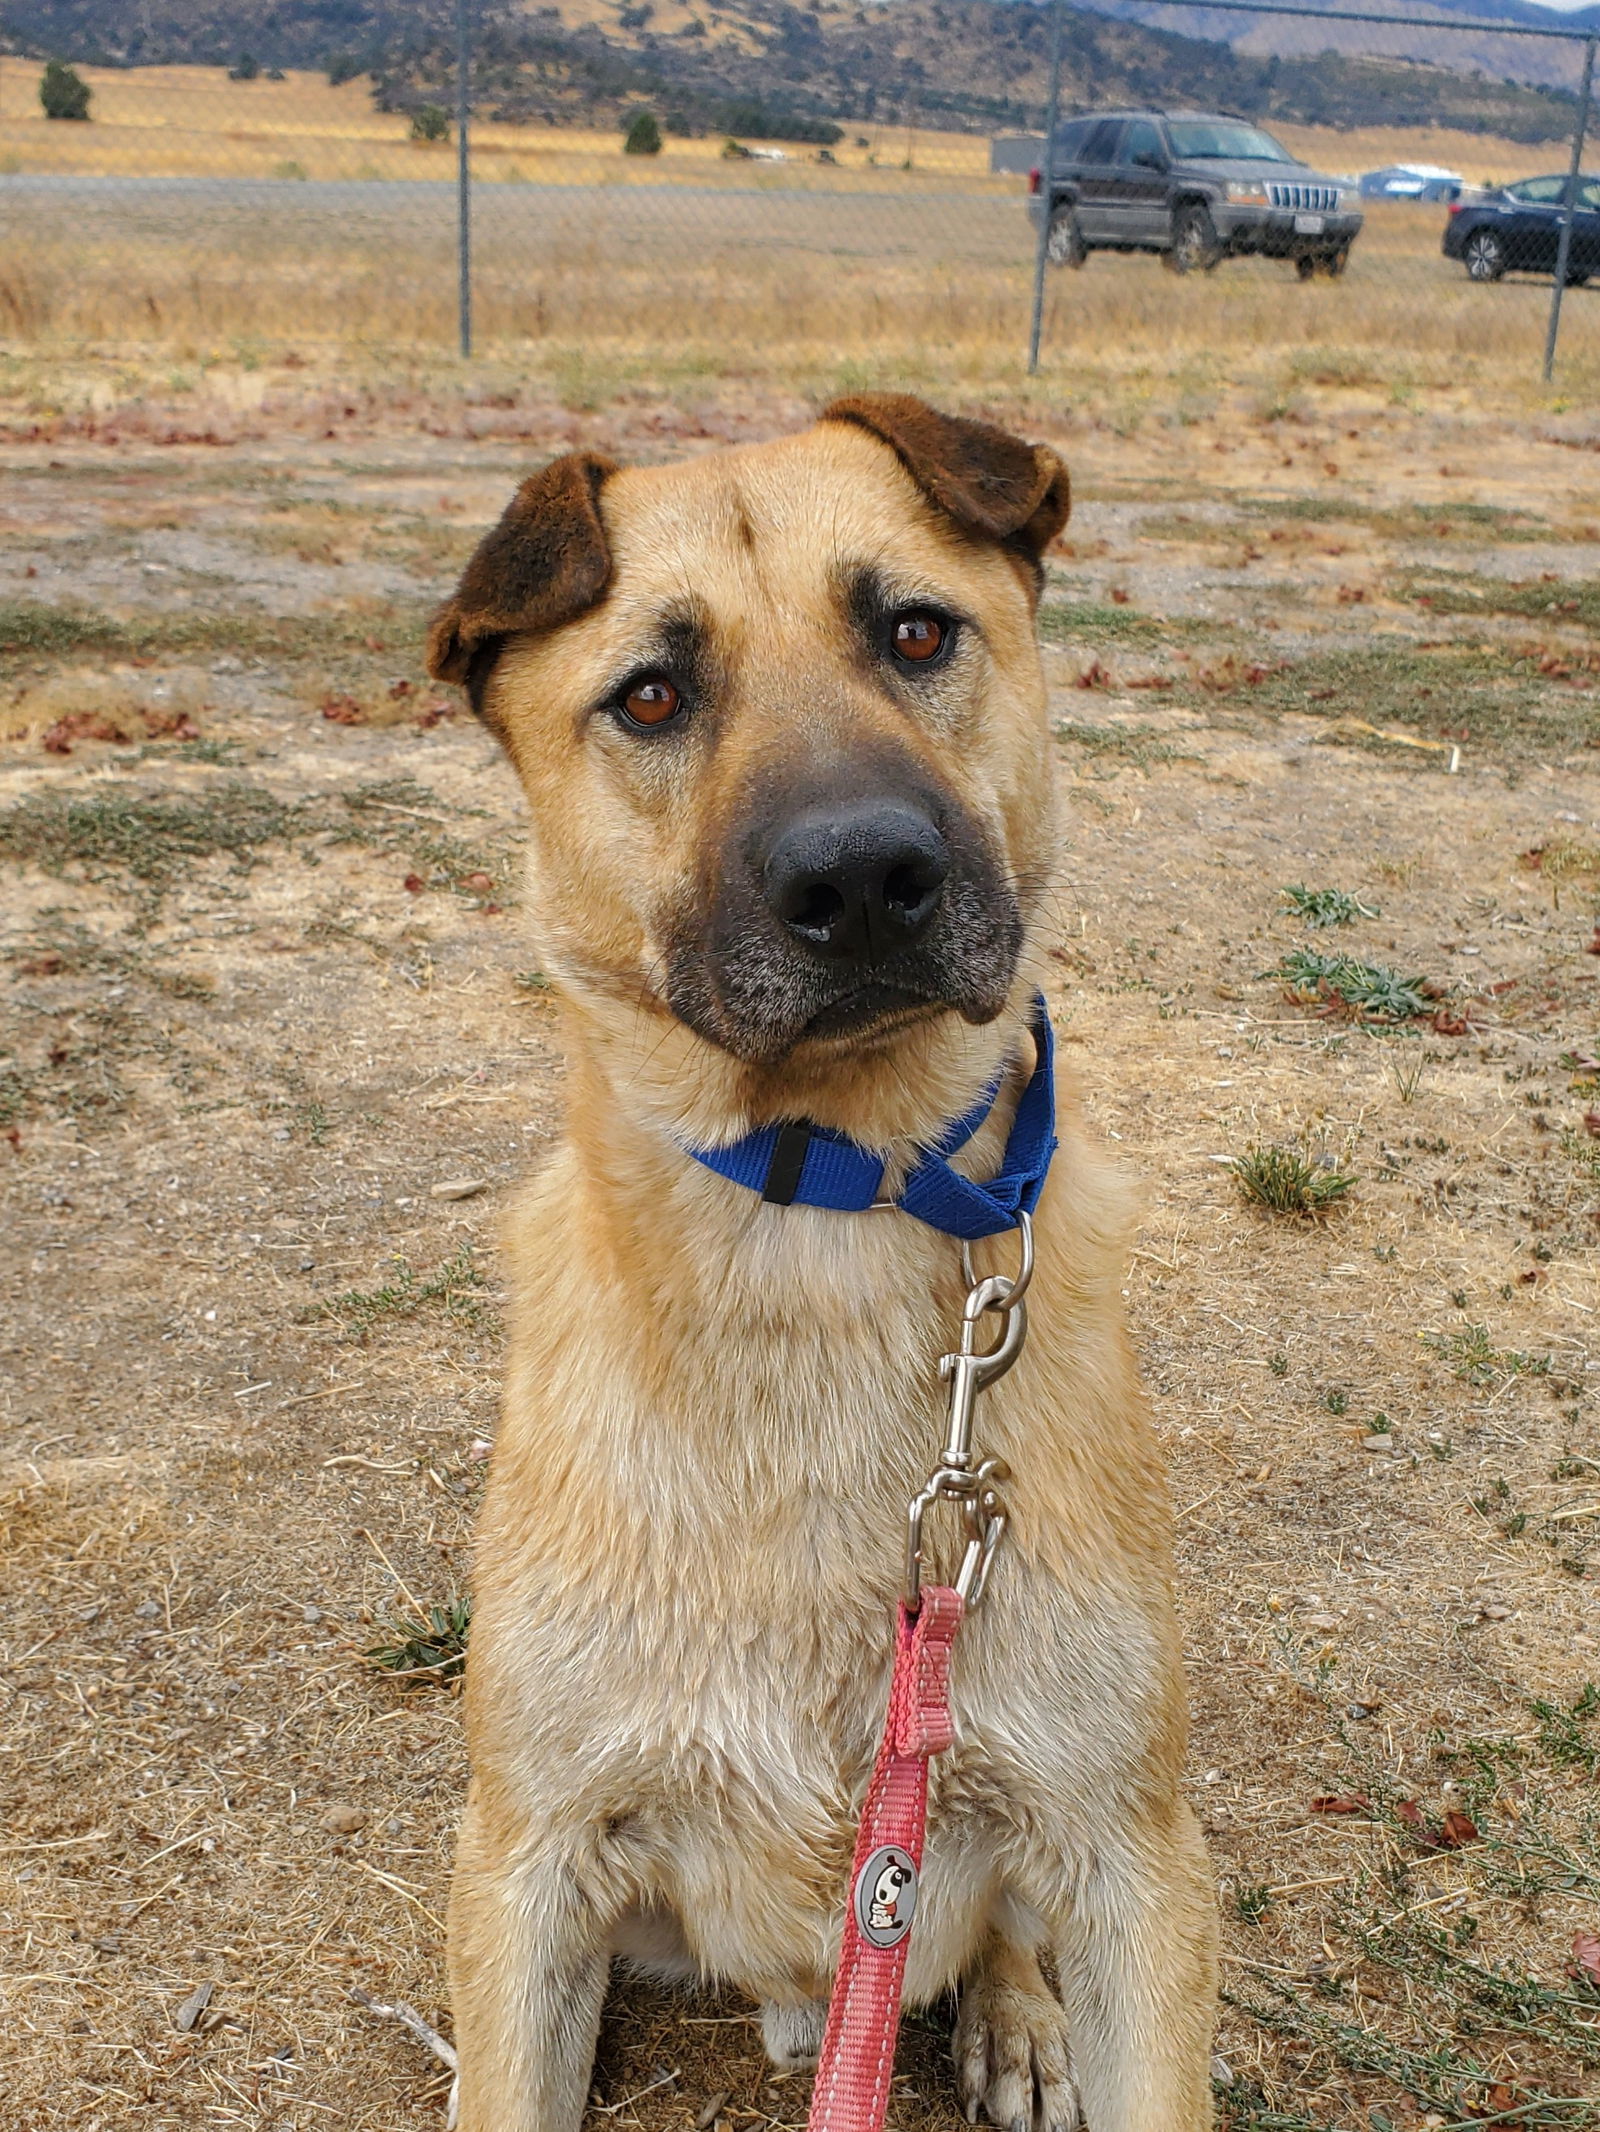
807, 1165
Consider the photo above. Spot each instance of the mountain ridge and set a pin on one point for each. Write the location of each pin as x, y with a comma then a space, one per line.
759, 67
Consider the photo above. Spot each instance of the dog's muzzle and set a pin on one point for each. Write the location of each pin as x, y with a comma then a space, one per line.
845, 914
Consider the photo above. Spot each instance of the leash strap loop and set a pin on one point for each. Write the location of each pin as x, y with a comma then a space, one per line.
856, 2067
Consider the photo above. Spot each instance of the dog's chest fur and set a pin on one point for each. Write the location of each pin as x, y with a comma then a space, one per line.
697, 1523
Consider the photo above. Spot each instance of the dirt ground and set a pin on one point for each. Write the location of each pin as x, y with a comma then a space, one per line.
274, 1058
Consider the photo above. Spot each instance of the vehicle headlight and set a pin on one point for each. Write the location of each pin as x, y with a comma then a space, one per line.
1248, 195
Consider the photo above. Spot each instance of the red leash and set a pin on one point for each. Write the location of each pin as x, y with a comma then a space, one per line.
857, 2061
856, 2065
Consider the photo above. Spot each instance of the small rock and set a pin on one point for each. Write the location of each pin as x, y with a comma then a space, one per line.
479, 1450
1384, 1445
712, 2110
343, 1820
311, 1613
1319, 1621
147, 1610
193, 2007
1221, 2071
1492, 1610
1360, 1712
459, 1188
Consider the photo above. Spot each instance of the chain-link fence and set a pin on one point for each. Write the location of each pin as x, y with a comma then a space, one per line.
861, 201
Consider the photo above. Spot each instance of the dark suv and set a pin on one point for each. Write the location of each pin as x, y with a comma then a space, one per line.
1195, 187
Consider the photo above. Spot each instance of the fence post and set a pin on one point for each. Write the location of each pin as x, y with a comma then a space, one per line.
1569, 207
464, 173
1041, 251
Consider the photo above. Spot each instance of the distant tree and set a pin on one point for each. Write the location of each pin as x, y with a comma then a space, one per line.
343, 67
430, 122
643, 136
63, 91
244, 68
276, 74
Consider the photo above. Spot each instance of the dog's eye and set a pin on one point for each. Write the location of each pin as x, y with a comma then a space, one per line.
651, 700
918, 636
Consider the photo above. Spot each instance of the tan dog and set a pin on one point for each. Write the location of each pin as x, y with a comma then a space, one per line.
780, 718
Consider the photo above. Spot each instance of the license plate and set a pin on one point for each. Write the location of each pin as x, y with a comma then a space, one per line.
1309, 225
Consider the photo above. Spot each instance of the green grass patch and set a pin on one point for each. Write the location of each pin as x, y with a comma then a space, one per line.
451, 1288
1474, 1358
1320, 907
155, 838
1138, 744
1483, 695
34, 629
1480, 524
1068, 621
151, 837
1562, 601
1285, 1181
1368, 990
429, 1648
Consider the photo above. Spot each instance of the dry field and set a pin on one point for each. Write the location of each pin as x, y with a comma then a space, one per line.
274, 1058
113, 237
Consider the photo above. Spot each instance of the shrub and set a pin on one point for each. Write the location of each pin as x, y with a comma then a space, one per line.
1284, 1182
244, 68
643, 136
430, 122
63, 91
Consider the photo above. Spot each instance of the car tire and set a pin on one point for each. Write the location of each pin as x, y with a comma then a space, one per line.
1336, 262
1194, 241
1306, 265
1064, 245
1578, 278
1483, 256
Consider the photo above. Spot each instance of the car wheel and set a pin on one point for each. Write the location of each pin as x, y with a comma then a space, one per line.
1305, 266
1577, 279
1484, 256
1194, 241
1064, 247
1336, 262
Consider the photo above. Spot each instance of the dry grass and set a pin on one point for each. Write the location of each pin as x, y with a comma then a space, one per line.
194, 121
595, 289
257, 1007
598, 267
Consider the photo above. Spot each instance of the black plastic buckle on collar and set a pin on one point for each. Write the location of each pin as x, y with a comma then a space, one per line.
788, 1160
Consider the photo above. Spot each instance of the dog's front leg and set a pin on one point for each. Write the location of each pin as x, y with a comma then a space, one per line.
1137, 1960
529, 1960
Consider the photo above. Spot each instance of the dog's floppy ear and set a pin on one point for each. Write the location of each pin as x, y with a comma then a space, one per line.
988, 480
546, 561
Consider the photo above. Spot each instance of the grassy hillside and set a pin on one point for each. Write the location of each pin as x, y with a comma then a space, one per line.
763, 67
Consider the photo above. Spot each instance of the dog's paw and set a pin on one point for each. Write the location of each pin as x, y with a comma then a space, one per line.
793, 2034
1012, 2057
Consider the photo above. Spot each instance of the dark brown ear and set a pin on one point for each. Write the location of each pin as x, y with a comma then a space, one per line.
546, 561
988, 480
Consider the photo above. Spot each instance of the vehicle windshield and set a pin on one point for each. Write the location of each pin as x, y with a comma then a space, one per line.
1219, 140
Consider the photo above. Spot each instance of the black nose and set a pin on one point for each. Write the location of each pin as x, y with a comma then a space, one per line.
856, 883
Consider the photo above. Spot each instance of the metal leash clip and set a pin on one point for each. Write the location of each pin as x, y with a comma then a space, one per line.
957, 1478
